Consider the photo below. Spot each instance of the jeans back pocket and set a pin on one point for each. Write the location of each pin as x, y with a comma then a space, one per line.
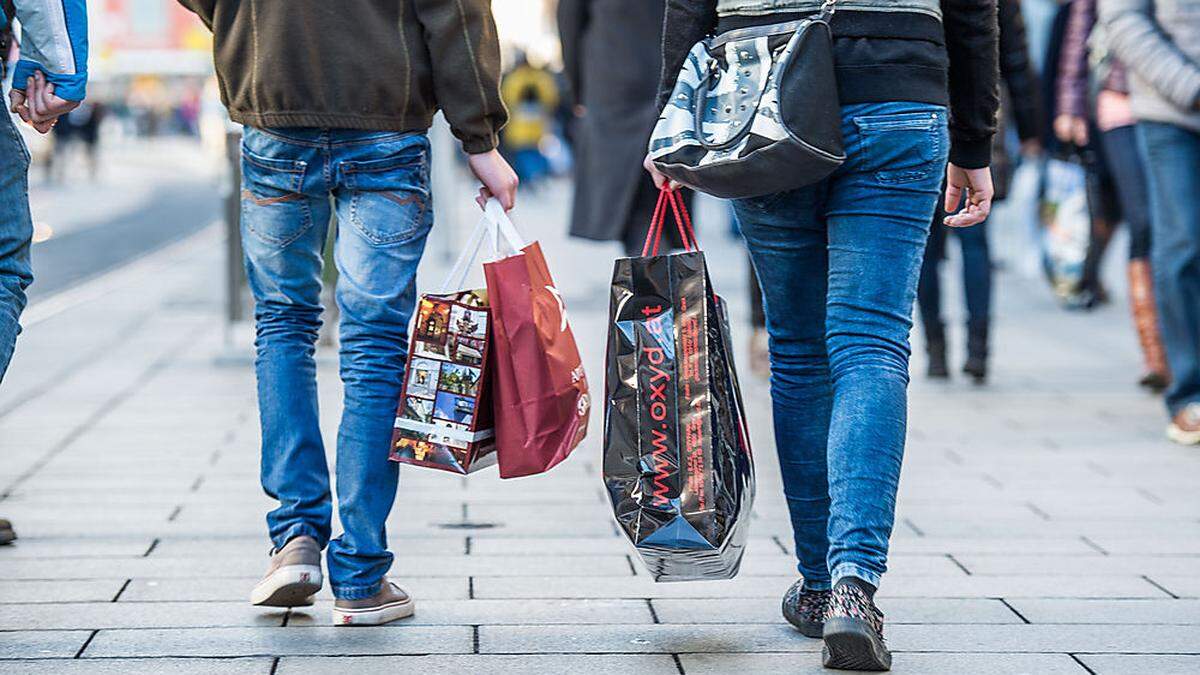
274, 207
901, 147
390, 197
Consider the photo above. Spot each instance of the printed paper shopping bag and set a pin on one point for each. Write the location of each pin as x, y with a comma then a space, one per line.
541, 392
444, 419
677, 460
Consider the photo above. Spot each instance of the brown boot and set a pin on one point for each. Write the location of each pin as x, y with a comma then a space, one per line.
1145, 319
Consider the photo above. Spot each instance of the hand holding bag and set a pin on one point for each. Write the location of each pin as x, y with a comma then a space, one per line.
754, 111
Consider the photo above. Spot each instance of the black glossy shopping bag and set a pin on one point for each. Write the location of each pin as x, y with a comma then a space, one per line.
677, 461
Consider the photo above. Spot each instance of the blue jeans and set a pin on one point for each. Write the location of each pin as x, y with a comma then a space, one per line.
293, 180
838, 264
1173, 166
16, 232
976, 272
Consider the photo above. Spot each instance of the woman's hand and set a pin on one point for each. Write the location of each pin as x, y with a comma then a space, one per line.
659, 177
977, 184
1071, 129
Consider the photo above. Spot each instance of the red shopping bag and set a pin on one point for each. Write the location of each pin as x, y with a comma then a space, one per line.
540, 395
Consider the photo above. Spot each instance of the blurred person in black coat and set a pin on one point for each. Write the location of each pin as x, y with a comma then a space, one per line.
611, 55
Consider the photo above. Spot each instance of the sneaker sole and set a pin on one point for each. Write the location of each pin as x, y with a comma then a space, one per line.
289, 586
850, 644
374, 616
1183, 437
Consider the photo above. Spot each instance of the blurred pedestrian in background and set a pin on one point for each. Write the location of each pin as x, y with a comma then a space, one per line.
611, 51
48, 81
531, 95
1023, 104
838, 262
1093, 93
80, 127
1159, 42
341, 126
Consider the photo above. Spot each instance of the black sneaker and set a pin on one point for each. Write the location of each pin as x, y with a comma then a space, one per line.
7, 536
806, 609
854, 632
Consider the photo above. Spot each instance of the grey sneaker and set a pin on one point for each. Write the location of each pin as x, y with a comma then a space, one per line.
806, 609
293, 577
7, 536
389, 604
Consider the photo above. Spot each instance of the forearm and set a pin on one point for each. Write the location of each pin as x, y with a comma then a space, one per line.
1137, 39
465, 51
53, 42
685, 23
972, 44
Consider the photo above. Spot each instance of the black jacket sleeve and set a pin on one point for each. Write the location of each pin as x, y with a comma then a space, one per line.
685, 23
573, 19
972, 44
1020, 78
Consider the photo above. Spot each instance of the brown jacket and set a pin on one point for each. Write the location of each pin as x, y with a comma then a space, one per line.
385, 65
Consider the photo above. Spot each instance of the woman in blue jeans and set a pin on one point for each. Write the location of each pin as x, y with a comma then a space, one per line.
838, 263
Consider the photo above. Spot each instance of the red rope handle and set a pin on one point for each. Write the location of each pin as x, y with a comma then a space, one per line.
683, 223
654, 234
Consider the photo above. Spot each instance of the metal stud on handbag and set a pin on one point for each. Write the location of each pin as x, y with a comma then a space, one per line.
754, 111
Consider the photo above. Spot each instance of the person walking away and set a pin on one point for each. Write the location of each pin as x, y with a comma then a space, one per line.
611, 50
341, 127
531, 96
1110, 112
1159, 43
838, 263
1023, 104
48, 81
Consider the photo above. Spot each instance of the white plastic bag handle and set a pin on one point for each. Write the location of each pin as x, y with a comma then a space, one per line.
502, 228
496, 226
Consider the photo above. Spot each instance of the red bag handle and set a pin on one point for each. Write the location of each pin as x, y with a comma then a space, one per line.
683, 222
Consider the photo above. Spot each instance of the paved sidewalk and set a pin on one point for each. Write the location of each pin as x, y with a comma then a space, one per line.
1044, 525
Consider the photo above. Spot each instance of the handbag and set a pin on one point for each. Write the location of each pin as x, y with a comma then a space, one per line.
754, 111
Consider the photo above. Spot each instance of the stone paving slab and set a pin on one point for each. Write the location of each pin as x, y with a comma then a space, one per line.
58, 591
292, 640
101, 615
902, 664
650, 639
525, 664
41, 644
1059, 610
502, 612
238, 589
1159, 664
223, 666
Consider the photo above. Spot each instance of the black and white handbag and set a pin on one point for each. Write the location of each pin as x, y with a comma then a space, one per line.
754, 111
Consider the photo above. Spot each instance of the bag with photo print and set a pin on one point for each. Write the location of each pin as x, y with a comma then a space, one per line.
677, 462
444, 419
540, 390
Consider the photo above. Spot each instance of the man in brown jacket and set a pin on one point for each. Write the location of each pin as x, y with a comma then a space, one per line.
336, 99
